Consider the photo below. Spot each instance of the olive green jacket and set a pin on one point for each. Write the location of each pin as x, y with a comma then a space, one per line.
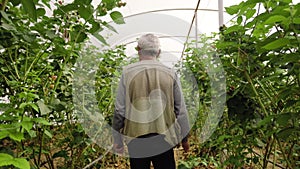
149, 100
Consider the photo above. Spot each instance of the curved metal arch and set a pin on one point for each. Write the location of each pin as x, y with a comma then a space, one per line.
170, 9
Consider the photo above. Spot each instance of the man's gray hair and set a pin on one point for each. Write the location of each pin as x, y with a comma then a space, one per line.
149, 45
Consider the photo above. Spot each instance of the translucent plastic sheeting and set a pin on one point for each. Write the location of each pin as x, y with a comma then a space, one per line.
171, 20
208, 10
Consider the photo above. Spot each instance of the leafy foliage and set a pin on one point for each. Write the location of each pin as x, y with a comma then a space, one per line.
6, 159
38, 51
260, 54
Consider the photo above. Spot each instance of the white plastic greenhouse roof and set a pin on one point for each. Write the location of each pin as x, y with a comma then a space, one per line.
171, 20
208, 10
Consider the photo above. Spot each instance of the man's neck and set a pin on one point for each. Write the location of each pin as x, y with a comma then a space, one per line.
147, 58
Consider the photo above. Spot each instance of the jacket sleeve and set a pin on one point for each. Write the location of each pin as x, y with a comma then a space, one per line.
119, 113
180, 109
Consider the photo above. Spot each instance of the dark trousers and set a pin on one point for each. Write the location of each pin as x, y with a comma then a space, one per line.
151, 148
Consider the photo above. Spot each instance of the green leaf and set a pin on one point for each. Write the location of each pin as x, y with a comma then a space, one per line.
34, 106
51, 34
85, 12
43, 108
78, 34
15, 135
117, 17
292, 57
266, 121
259, 142
23, 105
29, 8
61, 153
100, 38
274, 19
283, 119
46, 2
234, 28
67, 8
3, 134
41, 12
6, 159
249, 2
7, 27
27, 125
41, 121
15, 2
95, 27
296, 20
284, 93
183, 165
48, 133
20, 163
4, 15
250, 13
32, 133
287, 132
239, 20
224, 45
109, 4
5, 106
29, 95
81, 2
287, 1
5, 156
234, 9
109, 27
277, 44
81, 37
223, 138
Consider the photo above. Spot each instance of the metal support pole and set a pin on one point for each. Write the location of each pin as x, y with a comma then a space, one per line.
221, 17
196, 28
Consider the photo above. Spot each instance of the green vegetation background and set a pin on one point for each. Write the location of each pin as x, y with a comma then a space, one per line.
259, 53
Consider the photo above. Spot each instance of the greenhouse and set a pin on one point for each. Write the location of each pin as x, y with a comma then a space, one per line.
150, 84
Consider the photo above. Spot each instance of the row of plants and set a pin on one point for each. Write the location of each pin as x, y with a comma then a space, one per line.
260, 55
38, 51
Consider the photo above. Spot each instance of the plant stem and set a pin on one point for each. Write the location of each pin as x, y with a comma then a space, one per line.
256, 93
291, 152
3, 5
41, 146
92, 163
271, 147
50, 161
34, 159
14, 64
274, 158
9, 69
268, 147
277, 165
266, 93
283, 154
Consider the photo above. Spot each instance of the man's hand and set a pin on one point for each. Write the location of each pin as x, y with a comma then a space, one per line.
186, 146
119, 149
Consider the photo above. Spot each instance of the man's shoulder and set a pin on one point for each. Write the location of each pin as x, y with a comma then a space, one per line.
147, 65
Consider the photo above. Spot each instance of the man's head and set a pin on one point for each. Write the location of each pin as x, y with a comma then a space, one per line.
148, 46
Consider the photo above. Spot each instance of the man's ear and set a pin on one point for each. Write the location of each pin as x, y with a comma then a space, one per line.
137, 48
158, 53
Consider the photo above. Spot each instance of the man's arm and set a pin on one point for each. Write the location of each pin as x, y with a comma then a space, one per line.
181, 112
119, 114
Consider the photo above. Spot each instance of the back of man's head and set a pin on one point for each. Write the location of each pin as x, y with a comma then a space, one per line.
148, 45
